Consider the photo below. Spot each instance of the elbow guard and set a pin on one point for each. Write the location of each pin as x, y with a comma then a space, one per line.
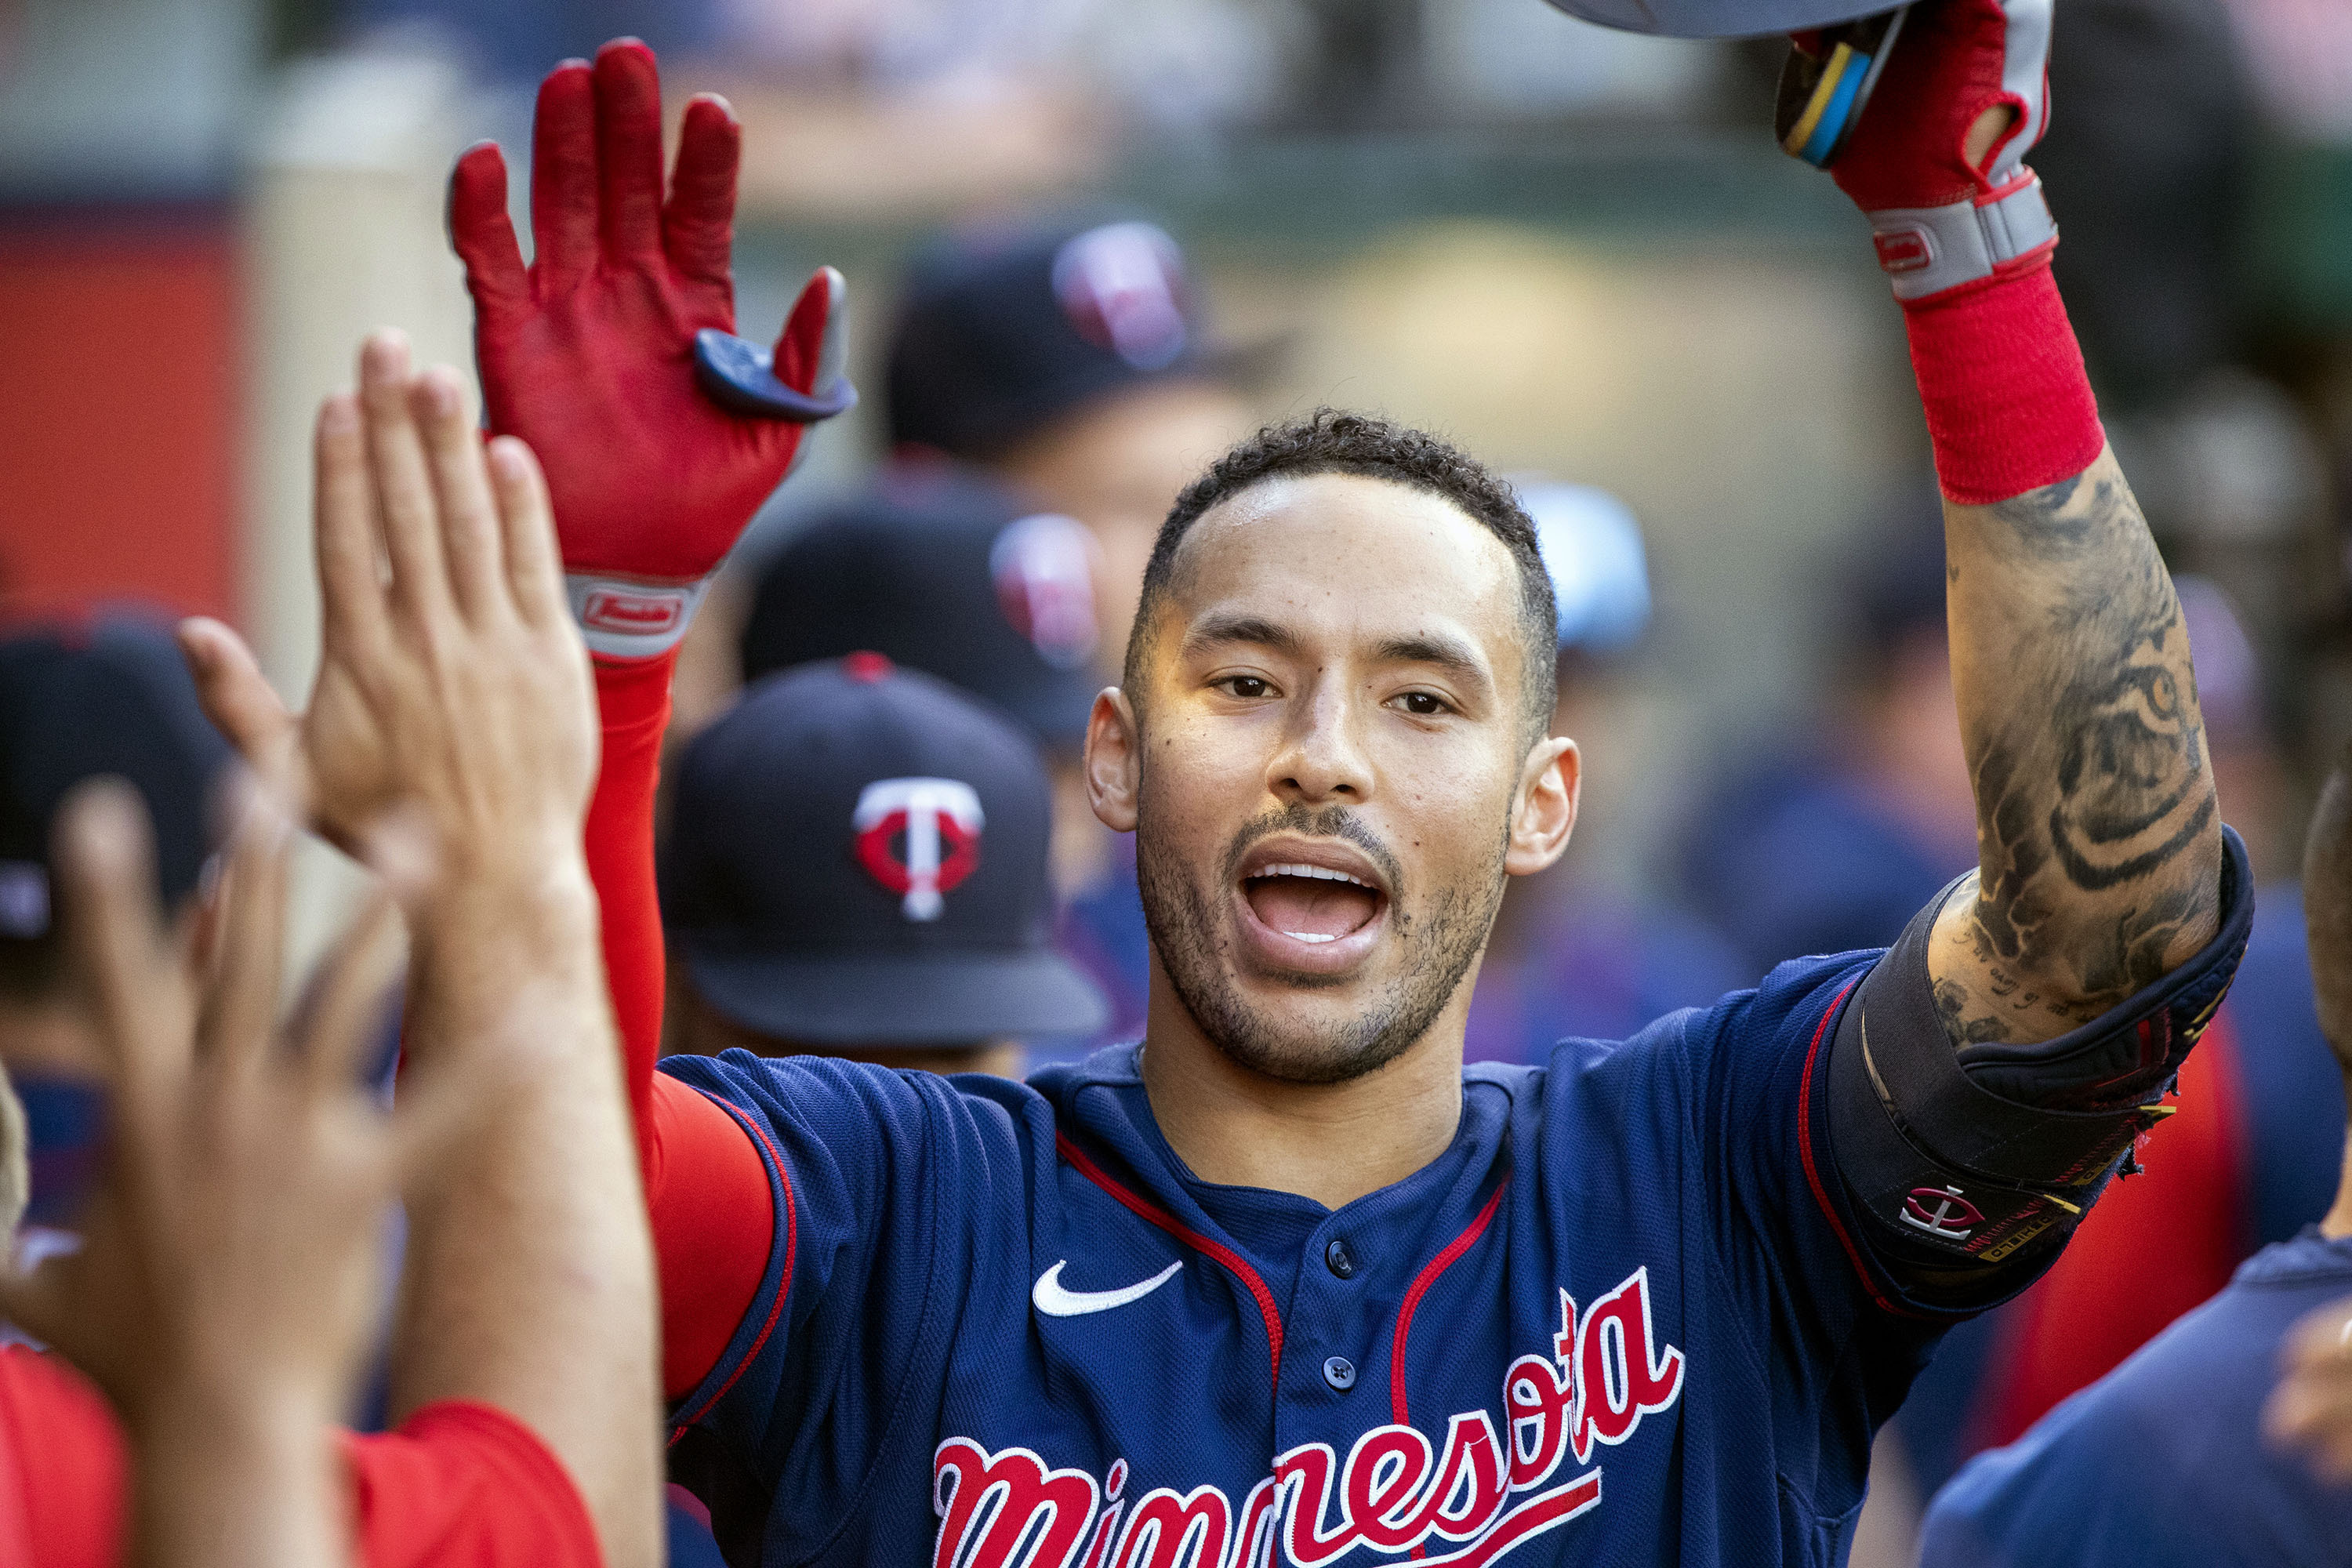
1962, 1157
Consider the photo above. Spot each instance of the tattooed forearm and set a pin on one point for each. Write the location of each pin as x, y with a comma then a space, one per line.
2097, 834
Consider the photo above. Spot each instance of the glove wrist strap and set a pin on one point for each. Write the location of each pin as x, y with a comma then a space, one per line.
630, 618
1926, 251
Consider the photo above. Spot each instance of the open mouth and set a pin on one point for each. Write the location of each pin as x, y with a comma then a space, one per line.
1313, 904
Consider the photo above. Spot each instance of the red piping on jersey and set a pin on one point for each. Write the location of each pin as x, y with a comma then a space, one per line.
792, 1248
1813, 1177
1420, 1287
1191, 1239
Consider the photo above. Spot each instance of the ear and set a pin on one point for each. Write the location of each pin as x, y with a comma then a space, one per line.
1543, 813
1114, 760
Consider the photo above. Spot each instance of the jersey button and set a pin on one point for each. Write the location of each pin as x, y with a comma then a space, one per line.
1339, 1259
1339, 1373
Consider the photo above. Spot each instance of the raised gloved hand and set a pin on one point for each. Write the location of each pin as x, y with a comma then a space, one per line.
613, 356
1933, 161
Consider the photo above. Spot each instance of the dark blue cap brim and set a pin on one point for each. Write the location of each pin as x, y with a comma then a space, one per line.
896, 999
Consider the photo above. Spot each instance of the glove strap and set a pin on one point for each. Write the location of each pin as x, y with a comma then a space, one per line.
622, 618
1927, 251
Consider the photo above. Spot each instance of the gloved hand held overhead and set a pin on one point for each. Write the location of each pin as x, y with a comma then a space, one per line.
613, 354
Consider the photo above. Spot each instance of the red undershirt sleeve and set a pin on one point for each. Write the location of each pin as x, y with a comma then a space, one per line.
706, 1189
465, 1485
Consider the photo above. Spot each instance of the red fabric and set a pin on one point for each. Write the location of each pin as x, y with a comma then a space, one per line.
1907, 150
588, 354
2155, 1246
63, 1468
2009, 403
706, 1189
462, 1485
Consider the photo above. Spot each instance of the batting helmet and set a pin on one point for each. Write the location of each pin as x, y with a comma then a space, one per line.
1720, 18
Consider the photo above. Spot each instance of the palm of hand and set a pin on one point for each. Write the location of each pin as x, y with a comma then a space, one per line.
601, 379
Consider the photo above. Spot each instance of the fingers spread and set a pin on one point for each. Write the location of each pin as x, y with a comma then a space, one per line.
534, 567
564, 180
240, 1008
698, 226
343, 520
105, 859
629, 149
482, 234
352, 1003
469, 525
404, 487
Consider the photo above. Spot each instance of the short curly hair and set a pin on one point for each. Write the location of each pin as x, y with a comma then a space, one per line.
1337, 441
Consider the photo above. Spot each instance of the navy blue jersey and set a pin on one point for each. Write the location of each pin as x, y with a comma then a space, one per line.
2162, 1464
1003, 1327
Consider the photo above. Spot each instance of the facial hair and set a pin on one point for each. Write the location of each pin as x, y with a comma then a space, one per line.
1440, 948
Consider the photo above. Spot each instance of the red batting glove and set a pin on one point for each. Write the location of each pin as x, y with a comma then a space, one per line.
590, 354
1941, 221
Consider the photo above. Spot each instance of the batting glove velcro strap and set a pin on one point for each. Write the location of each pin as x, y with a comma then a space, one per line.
1927, 251
622, 619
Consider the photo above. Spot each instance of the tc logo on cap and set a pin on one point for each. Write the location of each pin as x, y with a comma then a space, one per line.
1122, 287
1044, 570
940, 821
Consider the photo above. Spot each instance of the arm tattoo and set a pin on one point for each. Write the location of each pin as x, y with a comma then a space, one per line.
2098, 842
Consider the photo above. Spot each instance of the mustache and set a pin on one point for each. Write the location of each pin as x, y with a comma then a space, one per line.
1330, 822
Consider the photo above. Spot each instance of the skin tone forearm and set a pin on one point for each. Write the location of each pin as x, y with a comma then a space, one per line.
453, 694
528, 1278
2098, 832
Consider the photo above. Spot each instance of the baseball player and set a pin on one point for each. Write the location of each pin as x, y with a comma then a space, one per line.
1283, 1279
2168, 1462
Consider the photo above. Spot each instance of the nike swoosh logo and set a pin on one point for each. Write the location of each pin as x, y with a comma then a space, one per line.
1056, 1302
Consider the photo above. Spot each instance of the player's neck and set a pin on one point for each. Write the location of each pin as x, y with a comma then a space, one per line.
1331, 1142
2336, 1223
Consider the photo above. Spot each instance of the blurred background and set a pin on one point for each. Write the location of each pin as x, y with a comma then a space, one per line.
1576, 252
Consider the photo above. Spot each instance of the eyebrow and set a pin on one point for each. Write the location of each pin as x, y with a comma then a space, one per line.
1451, 654
1216, 630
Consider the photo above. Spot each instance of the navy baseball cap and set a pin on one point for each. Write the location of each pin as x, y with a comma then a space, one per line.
859, 858
1001, 329
941, 571
113, 698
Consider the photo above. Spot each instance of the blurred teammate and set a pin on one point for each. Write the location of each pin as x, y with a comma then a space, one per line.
526, 1260
2169, 1459
943, 571
1568, 955
905, 920
1070, 363
1230, 1286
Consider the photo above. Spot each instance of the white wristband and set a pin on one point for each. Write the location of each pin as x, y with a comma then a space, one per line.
622, 619
1926, 250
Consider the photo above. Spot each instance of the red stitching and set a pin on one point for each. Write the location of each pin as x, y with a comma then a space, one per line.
1420, 1287
1167, 1222
792, 1250
1805, 1153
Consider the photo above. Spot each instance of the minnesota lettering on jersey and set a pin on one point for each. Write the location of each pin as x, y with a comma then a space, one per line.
1477, 1498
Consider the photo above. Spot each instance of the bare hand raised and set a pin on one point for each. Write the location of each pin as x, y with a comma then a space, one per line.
451, 675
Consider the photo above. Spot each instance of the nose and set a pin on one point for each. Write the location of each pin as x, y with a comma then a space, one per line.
1322, 760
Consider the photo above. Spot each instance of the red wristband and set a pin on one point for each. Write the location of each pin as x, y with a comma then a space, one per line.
2008, 405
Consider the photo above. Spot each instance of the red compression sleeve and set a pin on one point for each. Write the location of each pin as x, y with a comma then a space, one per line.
634, 696
466, 1485
706, 1189
2008, 405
